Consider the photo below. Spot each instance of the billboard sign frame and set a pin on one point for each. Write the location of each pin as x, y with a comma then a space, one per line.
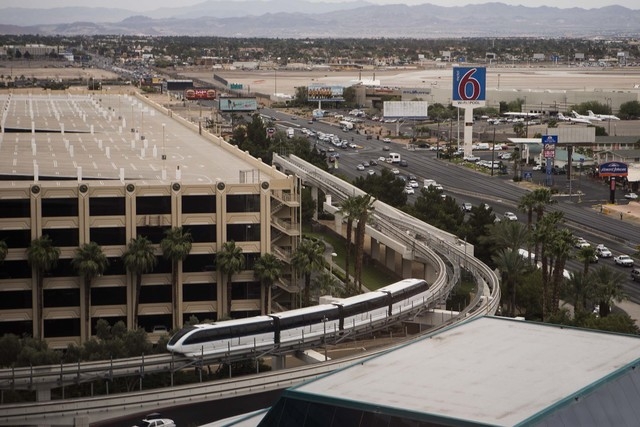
227, 104
329, 93
405, 109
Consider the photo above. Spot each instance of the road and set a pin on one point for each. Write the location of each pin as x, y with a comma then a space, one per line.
500, 192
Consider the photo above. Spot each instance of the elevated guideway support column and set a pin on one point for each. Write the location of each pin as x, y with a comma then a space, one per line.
278, 362
314, 196
375, 250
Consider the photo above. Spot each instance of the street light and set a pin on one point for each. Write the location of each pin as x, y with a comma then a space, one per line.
498, 81
610, 112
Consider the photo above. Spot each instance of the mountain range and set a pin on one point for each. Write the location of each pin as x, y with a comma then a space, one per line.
301, 19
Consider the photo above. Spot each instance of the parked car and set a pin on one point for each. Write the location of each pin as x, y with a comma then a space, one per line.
403, 163
373, 163
635, 274
413, 183
371, 172
623, 260
537, 168
154, 420
409, 190
360, 167
631, 196
395, 171
467, 207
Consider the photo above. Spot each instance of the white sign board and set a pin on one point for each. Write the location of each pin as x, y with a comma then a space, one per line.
405, 109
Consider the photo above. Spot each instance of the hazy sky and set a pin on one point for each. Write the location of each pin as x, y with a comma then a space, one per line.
140, 5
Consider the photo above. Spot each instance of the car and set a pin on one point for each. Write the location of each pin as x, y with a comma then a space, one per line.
603, 252
294, 118
395, 171
382, 159
537, 168
403, 163
581, 243
623, 260
160, 329
413, 183
635, 274
471, 159
467, 207
386, 140
371, 172
631, 196
360, 167
154, 420
353, 145
366, 164
412, 177
409, 190
510, 216
505, 156
386, 148
310, 122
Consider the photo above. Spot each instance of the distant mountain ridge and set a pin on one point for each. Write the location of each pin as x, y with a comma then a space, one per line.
358, 19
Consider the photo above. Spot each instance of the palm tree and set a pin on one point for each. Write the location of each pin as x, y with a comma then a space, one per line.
579, 289
509, 235
561, 248
230, 260
607, 285
512, 267
587, 254
175, 247
90, 262
348, 210
541, 199
364, 207
308, 257
139, 258
42, 256
267, 269
4, 250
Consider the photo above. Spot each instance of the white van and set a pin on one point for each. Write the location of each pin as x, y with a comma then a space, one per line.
393, 158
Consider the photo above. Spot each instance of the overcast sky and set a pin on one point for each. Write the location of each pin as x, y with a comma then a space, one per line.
141, 5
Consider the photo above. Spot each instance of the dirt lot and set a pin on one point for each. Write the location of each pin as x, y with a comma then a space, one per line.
51, 70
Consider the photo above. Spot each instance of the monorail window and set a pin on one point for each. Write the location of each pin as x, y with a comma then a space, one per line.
199, 204
15, 208
153, 205
107, 206
58, 207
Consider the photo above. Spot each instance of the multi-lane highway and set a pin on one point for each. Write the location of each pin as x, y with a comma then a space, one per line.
582, 213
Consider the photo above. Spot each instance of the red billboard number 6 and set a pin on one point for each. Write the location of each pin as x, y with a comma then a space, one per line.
467, 81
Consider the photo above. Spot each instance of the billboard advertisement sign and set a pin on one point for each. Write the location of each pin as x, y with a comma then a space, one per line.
237, 104
405, 109
469, 86
200, 93
614, 169
325, 93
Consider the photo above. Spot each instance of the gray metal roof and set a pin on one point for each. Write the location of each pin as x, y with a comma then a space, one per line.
61, 133
496, 371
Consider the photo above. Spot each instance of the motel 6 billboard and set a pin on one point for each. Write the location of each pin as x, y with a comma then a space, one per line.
469, 86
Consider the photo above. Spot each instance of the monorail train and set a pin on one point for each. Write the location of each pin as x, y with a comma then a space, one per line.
294, 326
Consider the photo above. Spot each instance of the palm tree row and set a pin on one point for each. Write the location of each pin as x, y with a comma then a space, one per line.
553, 244
356, 209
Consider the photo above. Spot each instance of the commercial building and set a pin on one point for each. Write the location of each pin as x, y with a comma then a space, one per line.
110, 168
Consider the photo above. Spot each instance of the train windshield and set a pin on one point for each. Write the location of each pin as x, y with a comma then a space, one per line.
174, 339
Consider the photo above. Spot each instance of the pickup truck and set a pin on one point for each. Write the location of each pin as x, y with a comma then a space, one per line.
623, 260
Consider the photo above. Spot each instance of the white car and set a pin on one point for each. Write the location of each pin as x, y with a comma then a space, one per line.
471, 159
395, 171
537, 168
603, 252
414, 184
386, 140
360, 167
631, 196
382, 159
467, 207
409, 190
371, 172
157, 422
623, 260
581, 243
510, 216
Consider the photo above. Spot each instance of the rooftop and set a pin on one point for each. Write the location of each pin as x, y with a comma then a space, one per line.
113, 137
